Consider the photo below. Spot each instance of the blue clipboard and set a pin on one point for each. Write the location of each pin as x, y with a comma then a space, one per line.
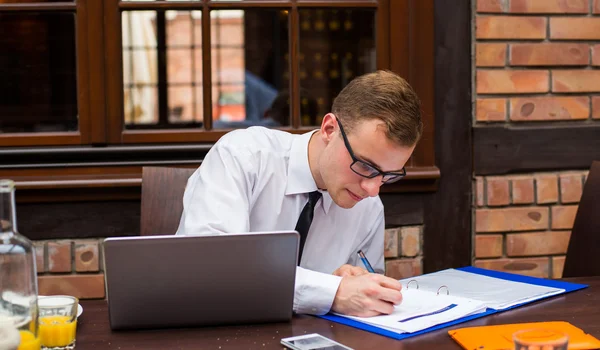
567, 286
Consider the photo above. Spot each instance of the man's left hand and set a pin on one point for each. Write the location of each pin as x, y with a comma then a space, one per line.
349, 270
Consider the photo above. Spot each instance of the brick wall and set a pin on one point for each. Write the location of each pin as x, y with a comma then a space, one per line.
403, 251
535, 61
523, 222
72, 267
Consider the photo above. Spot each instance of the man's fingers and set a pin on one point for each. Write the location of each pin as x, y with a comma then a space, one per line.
345, 273
388, 282
392, 296
357, 271
382, 307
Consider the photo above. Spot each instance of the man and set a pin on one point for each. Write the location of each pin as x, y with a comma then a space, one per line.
260, 179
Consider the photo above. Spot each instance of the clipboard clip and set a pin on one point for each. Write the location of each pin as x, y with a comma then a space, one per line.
409, 282
438, 291
447, 290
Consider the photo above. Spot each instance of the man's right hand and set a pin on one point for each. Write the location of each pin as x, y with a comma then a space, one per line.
367, 295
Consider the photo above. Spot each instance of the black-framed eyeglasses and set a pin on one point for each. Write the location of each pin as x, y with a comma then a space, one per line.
367, 170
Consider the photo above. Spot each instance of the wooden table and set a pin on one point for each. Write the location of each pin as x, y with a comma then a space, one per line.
581, 308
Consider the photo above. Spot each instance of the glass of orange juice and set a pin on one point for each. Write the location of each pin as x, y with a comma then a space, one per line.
58, 321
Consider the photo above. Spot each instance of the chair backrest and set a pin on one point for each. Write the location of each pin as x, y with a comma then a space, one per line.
584, 245
162, 199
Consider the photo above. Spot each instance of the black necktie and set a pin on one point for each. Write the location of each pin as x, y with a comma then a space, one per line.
305, 220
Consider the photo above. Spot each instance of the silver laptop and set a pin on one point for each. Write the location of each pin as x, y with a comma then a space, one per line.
177, 281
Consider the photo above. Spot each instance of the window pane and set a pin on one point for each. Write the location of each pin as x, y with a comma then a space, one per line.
335, 46
38, 89
162, 69
181, 104
249, 67
141, 105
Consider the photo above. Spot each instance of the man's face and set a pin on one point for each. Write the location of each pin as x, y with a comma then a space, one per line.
370, 145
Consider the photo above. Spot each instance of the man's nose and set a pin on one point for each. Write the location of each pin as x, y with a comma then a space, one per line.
372, 186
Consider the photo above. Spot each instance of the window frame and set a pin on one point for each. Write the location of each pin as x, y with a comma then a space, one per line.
404, 44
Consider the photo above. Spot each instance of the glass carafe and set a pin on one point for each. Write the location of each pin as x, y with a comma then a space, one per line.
18, 279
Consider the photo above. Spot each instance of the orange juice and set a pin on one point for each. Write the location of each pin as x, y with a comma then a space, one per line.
28, 341
57, 330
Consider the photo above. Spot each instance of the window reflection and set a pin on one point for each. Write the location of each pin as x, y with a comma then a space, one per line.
38, 89
249, 70
162, 69
336, 45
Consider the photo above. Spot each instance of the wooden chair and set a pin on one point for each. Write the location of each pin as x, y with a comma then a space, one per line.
162, 199
584, 246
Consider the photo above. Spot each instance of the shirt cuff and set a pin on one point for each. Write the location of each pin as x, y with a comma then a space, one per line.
314, 291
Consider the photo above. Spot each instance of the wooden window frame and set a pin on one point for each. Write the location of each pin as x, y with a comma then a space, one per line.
404, 42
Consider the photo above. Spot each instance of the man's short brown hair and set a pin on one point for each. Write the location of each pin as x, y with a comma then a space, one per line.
385, 96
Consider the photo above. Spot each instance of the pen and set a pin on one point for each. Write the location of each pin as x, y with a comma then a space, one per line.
365, 261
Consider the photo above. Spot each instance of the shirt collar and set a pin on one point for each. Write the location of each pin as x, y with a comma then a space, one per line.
300, 179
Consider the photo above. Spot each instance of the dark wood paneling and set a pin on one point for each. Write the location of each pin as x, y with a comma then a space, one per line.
421, 76
411, 36
55, 6
79, 219
96, 111
114, 64
206, 67
447, 229
503, 150
403, 209
42, 138
90, 156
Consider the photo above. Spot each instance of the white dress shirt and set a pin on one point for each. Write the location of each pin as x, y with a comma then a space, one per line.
258, 179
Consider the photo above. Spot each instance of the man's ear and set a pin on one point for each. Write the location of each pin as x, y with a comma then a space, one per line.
328, 127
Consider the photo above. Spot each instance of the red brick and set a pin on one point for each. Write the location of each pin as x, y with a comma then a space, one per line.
391, 243
522, 190
596, 55
59, 256
512, 81
571, 187
86, 256
497, 191
547, 189
510, 27
403, 268
410, 241
563, 217
511, 219
80, 286
491, 5
549, 6
549, 108
488, 246
596, 106
40, 256
537, 243
536, 267
549, 54
596, 6
479, 191
491, 110
574, 28
558, 265
490, 55
576, 80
